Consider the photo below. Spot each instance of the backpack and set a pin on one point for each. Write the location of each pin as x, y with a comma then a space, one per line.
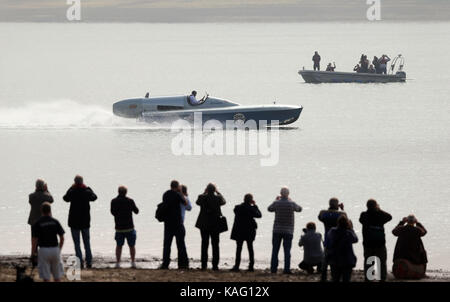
161, 212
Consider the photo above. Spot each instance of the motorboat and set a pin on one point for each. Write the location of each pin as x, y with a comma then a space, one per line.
167, 109
395, 74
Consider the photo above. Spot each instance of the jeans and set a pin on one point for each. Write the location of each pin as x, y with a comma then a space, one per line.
379, 252
341, 273
251, 254
86, 242
215, 248
324, 267
276, 243
179, 234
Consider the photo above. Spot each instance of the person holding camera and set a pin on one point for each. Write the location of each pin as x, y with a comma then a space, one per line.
341, 257
410, 257
374, 239
283, 229
244, 229
36, 199
311, 241
209, 223
174, 227
329, 218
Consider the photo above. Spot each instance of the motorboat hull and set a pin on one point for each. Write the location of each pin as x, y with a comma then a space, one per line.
311, 76
261, 115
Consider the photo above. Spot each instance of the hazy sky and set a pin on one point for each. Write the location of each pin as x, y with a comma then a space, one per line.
222, 10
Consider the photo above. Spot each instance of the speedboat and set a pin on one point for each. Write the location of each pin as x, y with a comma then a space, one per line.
167, 109
395, 74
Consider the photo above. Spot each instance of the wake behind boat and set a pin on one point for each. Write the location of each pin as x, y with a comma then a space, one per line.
168, 109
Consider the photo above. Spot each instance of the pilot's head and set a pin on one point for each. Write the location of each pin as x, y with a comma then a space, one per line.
194, 93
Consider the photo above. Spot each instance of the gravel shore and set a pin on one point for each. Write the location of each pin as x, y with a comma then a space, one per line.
103, 271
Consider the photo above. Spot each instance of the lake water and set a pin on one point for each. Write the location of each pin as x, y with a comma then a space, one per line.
390, 142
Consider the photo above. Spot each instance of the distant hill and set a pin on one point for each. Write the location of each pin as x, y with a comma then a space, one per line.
223, 10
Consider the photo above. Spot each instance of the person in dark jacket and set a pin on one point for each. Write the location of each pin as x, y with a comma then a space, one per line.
341, 257
329, 218
173, 226
410, 257
316, 60
244, 229
374, 240
122, 208
36, 199
311, 241
208, 222
79, 196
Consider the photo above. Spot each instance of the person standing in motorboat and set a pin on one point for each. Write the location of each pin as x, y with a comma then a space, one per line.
383, 64
316, 60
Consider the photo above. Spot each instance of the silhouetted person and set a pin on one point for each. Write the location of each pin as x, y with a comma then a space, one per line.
122, 208
357, 68
331, 67
45, 233
316, 60
329, 218
341, 257
147, 95
376, 64
364, 63
374, 240
36, 199
208, 222
173, 226
283, 229
410, 257
371, 69
244, 229
79, 196
186, 207
311, 241
383, 63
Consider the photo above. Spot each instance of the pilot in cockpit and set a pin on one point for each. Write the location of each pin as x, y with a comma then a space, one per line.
193, 100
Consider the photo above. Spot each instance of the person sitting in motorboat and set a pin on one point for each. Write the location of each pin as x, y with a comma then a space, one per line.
376, 64
371, 69
147, 95
193, 100
331, 68
383, 63
357, 68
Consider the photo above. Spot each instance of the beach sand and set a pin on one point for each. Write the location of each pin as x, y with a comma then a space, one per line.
103, 271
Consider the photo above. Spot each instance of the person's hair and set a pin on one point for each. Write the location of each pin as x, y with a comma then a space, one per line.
174, 184
411, 218
184, 189
311, 226
40, 185
210, 188
342, 222
123, 191
78, 180
46, 208
334, 203
248, 198
284, 192
371, 204
194, 92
